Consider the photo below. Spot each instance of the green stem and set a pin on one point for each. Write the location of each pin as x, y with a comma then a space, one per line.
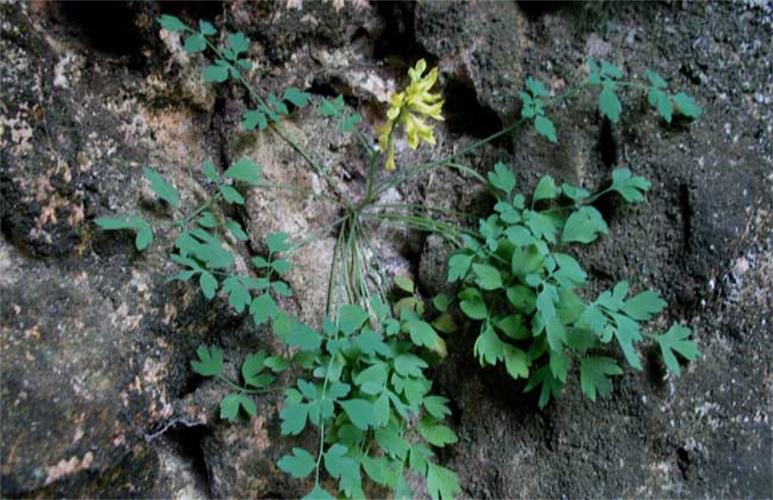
236, 386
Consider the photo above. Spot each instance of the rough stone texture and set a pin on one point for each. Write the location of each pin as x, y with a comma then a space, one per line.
98, 398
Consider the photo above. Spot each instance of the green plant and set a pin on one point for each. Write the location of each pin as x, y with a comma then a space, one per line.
365, 391
522, 286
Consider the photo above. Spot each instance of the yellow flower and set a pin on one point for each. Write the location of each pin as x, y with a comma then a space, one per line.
406, 108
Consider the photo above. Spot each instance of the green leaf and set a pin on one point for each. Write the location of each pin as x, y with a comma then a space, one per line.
541, 225
662, 103
676, 341
404, 283
546, 189
277, 242
195, 43
442, 483
472, 304
569, 270
238, 295
546, 128
350, 122
488, 277
371, 342
437, 406
549, 385
584, 226
331, 107
296, 96
263, 308
630, 187
336, 462
372, 380
208, 284
627, 333
523, 298
293, 416
207, 220
609, 104
389, 439
444, 323
303, 337
171, 23
245, 170
574, 193
656, 80
536, 87
210, 171
359, 411
441, 302
556, 333
299, 465
686, 106
210, 361
488, 348
277, 364
238, 42
422, 334
318, 493
409, 365
350, 318
231, 195
236, 230
252, 368
458, 267
229, 406
594, 376
516, 362
215, 73
206, 28
116, 223
610, 70
436, 434
163, 189
644, 306
502, 178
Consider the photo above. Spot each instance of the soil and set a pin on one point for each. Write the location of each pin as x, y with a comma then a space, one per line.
98, 398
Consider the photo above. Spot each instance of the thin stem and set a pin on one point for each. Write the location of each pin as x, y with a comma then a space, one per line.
304, 192
233, 385
413, 171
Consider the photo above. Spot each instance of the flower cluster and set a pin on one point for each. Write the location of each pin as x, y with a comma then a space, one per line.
407, 107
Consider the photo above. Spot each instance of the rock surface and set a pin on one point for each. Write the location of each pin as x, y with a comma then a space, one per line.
98, 398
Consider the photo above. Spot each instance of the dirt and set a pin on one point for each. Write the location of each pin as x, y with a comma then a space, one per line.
98, 398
